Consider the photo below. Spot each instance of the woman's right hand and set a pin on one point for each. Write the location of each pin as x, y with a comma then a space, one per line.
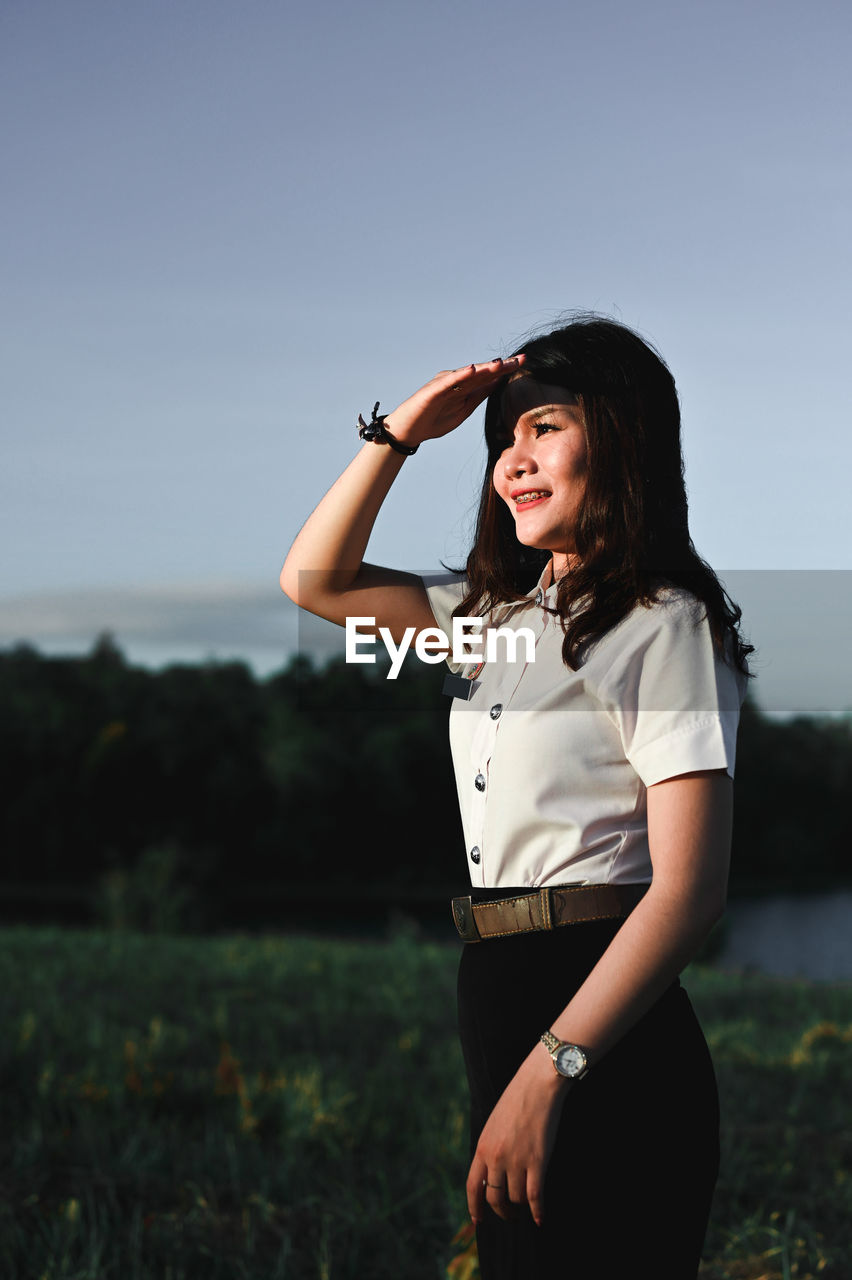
447, 399
325, 571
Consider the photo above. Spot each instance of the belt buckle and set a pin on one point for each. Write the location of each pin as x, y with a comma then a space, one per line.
464, 920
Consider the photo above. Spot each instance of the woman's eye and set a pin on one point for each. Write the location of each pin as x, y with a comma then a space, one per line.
504, 442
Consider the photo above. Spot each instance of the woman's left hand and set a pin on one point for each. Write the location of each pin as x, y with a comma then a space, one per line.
514, 1148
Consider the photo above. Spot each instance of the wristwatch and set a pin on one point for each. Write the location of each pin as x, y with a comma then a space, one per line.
568, 1059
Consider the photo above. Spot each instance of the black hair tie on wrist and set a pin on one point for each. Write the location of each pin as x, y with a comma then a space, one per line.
376, 431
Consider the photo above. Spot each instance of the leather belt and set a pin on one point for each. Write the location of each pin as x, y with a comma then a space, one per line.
544, 908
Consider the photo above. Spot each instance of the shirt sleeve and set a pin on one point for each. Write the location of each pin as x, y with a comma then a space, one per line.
445, 592
675, 700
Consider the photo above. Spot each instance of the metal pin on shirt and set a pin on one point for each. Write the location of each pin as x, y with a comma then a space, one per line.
459, 687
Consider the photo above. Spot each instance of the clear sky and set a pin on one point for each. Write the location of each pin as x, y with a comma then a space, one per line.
230, 227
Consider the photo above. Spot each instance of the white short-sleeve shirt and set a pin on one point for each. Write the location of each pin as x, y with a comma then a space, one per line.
552, 765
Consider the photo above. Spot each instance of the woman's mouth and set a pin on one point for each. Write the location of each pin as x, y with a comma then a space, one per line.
529, 497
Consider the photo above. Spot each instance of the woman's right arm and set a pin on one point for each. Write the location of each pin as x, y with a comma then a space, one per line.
325, 571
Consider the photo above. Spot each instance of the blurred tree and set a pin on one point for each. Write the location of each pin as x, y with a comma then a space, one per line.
235, 787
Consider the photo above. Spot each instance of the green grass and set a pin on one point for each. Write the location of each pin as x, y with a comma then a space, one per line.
255, 1108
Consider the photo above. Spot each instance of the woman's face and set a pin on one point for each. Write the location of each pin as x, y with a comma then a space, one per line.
541, 472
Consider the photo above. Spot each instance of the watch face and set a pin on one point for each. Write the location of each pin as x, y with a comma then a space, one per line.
570, 1061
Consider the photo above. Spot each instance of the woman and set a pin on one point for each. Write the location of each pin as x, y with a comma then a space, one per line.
598, 835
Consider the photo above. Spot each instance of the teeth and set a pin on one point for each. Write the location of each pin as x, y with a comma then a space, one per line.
531, 497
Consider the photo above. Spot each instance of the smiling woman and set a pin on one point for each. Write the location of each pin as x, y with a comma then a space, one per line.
594, 780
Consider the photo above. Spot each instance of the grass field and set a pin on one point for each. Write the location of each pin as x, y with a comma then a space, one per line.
282, 1108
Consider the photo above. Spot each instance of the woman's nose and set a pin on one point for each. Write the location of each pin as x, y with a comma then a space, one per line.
516, 460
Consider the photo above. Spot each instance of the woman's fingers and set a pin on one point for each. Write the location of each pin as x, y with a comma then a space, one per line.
476, 1188
504, 1192
450, 397
515, 1196
477, 374
498, 1200
464, 389
487, 1189
497, 1195
535, 1196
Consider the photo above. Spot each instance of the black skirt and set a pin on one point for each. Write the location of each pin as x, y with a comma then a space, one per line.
630, 1181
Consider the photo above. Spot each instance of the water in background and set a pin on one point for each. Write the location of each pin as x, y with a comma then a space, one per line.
807, 936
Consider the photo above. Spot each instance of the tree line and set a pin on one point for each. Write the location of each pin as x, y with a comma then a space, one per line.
220, 798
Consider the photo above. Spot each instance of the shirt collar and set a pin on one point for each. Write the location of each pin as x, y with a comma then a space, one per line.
546, 585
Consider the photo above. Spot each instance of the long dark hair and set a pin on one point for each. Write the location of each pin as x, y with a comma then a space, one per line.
632, 535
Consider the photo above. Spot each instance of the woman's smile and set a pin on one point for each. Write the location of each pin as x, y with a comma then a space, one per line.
525, 497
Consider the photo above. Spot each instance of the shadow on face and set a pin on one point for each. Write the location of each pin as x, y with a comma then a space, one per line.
522, 394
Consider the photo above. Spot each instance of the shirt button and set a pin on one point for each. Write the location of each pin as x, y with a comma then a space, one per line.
475, 855
539, 596
479, 782
495, 711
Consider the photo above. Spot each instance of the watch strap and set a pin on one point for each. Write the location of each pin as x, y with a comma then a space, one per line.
550, 1042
